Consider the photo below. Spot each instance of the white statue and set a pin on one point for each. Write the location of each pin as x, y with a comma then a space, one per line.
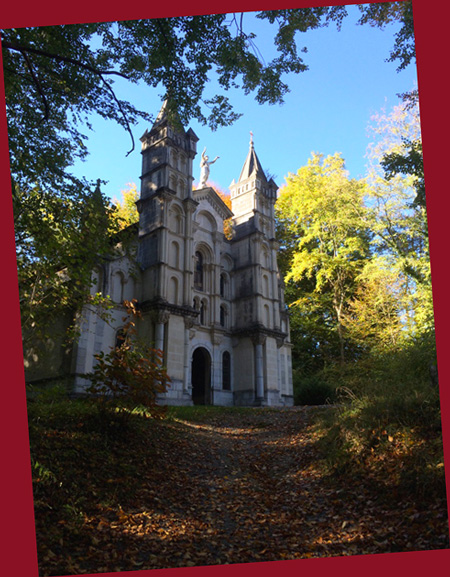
204, 168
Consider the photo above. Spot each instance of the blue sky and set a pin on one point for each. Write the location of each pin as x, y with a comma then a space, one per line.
327, 110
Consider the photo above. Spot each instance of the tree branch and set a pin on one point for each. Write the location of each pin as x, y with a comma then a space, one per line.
24, 50
20, 48
38, 85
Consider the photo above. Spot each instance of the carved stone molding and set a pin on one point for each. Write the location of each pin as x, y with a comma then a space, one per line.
258, 338
162, 317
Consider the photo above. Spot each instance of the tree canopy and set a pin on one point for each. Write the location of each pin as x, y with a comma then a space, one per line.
56, 77
321, 210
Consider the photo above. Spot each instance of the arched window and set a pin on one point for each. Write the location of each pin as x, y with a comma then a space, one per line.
174, 256
223, 316
226, 371
198, 271
202, 313
173, 290
266, 291
223, 285
117, 287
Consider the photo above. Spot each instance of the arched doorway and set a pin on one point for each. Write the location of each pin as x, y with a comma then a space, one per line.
201, 377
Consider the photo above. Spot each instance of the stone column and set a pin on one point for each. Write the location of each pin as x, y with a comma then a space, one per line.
188, 324
259, 341
189, 207
259, 371
161, 319
159, 337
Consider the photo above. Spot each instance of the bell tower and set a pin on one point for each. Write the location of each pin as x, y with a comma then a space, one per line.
253, 198
167, 157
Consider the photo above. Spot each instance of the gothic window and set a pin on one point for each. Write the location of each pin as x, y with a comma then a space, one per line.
174, 256
226, 371
173, 291
266, 316
222, 285
97, 281
198, 271
174, 159
223, 316
203, 313
117, 287
266, 292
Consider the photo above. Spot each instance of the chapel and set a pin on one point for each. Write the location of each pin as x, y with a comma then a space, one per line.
213, 303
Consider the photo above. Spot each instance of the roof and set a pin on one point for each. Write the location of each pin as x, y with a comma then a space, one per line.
252, 166
214, 200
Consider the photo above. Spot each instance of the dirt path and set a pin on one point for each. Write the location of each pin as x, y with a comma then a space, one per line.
236, 488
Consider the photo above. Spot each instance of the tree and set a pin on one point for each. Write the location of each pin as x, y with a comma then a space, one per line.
58, 243
397, 213
126, 212
408, 160
227, 223
323, 211
382, 13
57, 76
374, 319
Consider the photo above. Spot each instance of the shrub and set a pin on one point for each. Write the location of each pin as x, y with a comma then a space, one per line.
313, 390
131, 374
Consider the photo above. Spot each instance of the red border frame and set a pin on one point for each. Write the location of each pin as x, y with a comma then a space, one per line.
18, 538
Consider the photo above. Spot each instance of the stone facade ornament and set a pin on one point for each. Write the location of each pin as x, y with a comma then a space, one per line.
204, 168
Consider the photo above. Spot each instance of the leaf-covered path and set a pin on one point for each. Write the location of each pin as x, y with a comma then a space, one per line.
236, 487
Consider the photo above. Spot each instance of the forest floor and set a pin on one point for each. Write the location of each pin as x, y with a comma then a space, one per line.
209, 486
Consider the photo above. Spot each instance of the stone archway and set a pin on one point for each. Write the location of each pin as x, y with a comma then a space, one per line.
201, 377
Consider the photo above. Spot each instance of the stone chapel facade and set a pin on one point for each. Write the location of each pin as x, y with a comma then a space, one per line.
214, 306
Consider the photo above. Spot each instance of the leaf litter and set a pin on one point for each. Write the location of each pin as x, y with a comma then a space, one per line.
227, 487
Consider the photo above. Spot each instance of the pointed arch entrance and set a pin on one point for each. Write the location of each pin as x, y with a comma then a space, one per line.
201, 377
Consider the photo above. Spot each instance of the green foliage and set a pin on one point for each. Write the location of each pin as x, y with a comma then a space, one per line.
59, 242
312, 390
408, 160
131, 374
388, 416
321, 212
382, 13
126, 212
397, 214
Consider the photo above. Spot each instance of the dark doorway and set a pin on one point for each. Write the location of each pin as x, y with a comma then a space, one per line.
201, 377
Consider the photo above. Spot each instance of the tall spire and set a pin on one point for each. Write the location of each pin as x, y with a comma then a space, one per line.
169, 114
252, 166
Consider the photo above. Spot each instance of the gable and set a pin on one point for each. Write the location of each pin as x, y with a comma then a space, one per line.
210, 196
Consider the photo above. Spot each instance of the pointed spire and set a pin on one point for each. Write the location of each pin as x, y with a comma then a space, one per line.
169, 114
252, 166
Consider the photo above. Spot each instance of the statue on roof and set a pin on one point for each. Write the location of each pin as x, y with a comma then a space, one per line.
204, 168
